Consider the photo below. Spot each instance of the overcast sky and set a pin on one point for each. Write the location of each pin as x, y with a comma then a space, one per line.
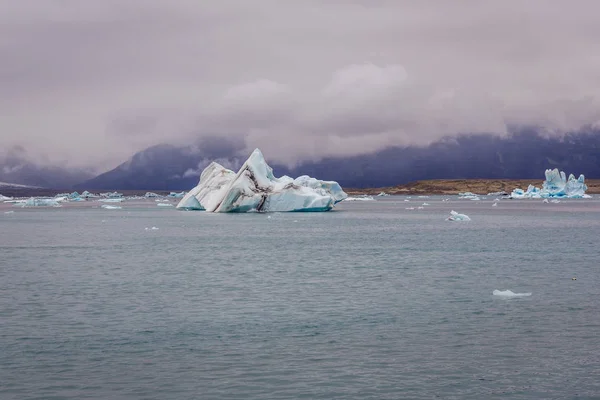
91, 82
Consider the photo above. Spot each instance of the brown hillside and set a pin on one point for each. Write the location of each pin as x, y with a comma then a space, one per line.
455, 186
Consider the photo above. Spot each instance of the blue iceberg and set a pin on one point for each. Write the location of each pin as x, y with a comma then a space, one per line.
555, 185
39, 202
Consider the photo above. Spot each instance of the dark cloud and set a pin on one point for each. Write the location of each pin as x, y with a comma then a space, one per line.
89, 82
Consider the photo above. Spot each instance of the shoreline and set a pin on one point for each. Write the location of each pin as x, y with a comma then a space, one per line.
423, 187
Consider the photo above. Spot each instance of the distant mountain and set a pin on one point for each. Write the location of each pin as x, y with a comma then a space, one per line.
523, 154
15, 168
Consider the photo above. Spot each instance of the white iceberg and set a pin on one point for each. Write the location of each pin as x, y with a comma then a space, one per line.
109, 207
509, 293
454, 216
360, 198
111, 194
87, 195
4, 198
255, 188
112, 200
555, 185
383, 194
468, 195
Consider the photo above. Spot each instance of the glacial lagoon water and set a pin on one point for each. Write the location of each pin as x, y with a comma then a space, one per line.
370, 301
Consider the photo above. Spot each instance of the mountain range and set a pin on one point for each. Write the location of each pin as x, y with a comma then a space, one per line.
523, 154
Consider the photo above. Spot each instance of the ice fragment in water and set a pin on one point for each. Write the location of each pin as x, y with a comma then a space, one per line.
508, 293
454, 216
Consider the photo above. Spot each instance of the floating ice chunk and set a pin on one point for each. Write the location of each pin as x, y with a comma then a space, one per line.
409, 208
164, 205
502, 193
39, 202
111, 194
554, 201
109, 207
150, 194
468, 196
87, 195
152, 229
382, 194
8, 212
406, 200
176, 195
454, 216
111, 200
495, 205
425, 204
420, 208
508, 293
360, 198
5, 198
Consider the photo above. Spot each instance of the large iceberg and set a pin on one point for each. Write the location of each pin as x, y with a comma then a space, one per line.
255, 188
555, 185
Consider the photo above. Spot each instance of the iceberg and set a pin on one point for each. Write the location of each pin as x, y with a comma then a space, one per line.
4, 198
454, 216
111, 194
509, 293
112, 200
255, 188
109, 207
555, 185
39, 202
176, 195
383, 194
87, 195
151, 194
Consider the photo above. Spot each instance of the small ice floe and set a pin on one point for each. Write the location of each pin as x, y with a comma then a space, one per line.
545, 201
8, 212
425, 204
509, 293
406, 200
111, 200
454, 216
554, 201
382, 194
409, 208
361, 198
108, 207
420, 208
164, 205
152, 229
495, 205
268, 217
